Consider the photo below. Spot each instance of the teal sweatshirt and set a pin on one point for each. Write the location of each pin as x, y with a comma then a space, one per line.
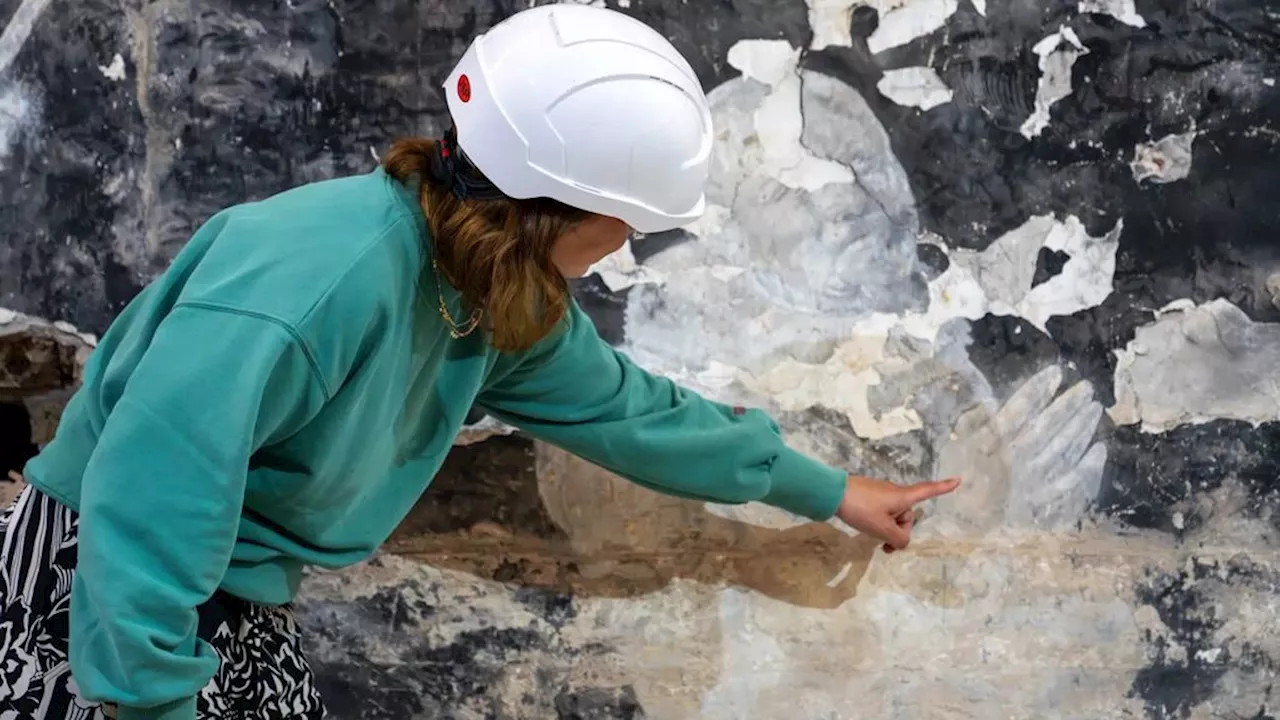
283, 394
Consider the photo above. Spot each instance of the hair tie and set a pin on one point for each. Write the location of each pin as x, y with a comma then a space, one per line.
441, 165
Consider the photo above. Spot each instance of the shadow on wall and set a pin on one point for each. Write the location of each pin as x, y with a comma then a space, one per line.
513, 510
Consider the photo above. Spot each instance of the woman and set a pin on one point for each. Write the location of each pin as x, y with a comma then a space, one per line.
283, 393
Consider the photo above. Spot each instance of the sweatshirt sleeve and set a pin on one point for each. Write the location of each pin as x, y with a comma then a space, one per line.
161, 501
576, 392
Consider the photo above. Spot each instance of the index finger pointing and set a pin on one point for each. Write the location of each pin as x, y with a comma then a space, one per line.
929, 490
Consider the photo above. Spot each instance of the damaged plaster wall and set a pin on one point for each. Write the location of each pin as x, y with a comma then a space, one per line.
1027, 243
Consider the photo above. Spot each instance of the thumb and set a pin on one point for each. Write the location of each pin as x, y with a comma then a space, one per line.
920, 492
897, 536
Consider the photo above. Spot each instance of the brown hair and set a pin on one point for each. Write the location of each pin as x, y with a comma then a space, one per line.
496, 252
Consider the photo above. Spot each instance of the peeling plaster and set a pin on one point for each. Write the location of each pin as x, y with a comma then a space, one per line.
778, 120
1123, 10
826, 277
1005, 269
115, 70
797, 344
915, 87
778, 268
767, 61
842, 383
830, 22
901, 21
1165, 160
1058, 54
1171, 373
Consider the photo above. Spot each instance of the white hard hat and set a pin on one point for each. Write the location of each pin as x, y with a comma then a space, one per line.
587, 106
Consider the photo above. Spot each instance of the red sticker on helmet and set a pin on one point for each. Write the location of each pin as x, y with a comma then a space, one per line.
464, 88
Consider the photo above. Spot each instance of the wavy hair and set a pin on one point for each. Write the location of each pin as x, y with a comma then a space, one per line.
495, 251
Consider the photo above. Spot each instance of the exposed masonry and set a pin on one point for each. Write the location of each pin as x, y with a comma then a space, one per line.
40, 366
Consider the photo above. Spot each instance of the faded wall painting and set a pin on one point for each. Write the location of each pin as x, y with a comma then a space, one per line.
1035, 244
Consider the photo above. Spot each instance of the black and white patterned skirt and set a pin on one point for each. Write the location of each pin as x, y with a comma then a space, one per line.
263, 675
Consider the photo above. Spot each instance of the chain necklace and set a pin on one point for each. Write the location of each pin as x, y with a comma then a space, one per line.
455, 330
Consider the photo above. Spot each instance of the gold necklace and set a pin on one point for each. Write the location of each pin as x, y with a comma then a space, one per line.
455, 331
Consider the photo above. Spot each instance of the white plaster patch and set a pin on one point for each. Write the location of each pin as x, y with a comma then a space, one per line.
829, 20
1123, 10
901, 21
1058, 54
779, 125
1165, 160
778, 121
1170, 374
842, 384
620, 271
1006, 268
1085, 280
115, 70
769, 61
915, 87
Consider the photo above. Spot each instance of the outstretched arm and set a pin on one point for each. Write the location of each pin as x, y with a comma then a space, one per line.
576, 392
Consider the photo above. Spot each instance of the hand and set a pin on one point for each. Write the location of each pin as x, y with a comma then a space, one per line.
886, 511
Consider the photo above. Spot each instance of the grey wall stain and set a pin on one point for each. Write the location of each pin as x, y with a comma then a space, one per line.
1194, 663
416, 650
1166, 375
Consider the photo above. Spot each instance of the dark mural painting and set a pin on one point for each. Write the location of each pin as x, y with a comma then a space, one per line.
1032, 243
